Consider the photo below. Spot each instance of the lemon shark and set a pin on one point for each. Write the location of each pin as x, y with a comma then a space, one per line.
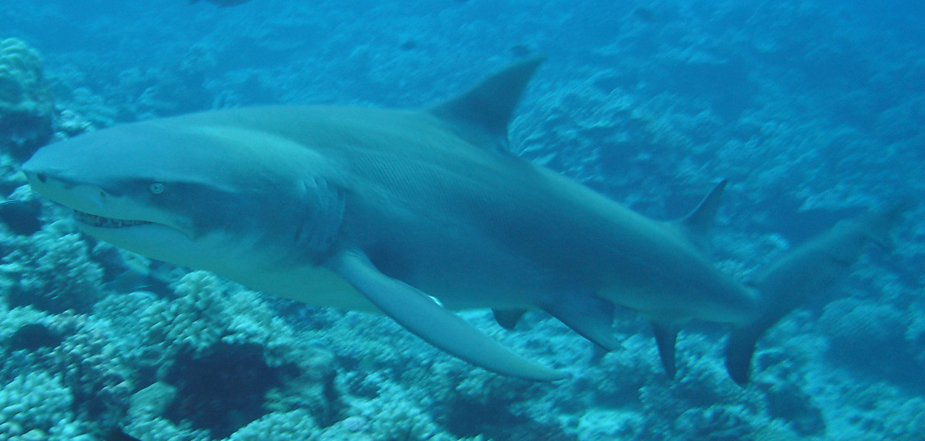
416, 213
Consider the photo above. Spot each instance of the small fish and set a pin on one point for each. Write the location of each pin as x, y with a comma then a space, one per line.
119, 435
223, 3
33, 336
131, 281
520, 50
127, 282
21, 217
646, 14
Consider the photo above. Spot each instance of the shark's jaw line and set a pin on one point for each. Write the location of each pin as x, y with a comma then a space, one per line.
98, 224
97, 221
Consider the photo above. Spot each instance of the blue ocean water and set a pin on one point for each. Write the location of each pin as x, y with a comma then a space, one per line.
812, 109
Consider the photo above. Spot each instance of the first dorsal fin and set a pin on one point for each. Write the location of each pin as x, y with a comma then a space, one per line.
696, 226
489, 105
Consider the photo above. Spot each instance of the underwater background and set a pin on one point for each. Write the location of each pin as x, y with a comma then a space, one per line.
815, 111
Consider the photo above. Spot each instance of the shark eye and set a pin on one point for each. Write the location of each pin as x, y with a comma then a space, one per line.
156, 187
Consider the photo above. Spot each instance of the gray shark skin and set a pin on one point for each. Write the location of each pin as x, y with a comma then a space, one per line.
412, 213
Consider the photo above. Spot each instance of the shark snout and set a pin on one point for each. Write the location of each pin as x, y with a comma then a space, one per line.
38, 180
79, 197
37, 173
40, 177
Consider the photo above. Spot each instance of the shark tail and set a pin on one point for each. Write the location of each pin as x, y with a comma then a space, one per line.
807, 270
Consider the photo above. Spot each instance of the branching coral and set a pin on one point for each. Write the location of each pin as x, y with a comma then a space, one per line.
34, 401
715, 423
194, 318
26, 104
390, 415
215, 337
151, 428
280, 426
21, 78
94, 370
208, 310
224, 389
868, 335
53, 271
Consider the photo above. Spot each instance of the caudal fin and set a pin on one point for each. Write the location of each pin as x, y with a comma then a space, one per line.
807, 270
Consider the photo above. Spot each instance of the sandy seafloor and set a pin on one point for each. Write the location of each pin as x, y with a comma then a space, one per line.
814, 110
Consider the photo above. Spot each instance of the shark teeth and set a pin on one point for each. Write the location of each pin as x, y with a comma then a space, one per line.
105, 222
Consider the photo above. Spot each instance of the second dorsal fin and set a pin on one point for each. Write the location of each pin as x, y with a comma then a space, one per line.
697, 225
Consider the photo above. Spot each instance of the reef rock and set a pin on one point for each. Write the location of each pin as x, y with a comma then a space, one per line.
26, 105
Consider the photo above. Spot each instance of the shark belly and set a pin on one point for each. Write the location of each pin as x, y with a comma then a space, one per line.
311, 285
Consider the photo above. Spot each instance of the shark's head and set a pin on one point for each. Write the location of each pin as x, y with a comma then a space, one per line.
191, 194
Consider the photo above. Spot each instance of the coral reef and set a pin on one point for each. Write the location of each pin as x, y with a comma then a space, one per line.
869, 335
812, 111
280, 426
37, 406
52, 271
26, 104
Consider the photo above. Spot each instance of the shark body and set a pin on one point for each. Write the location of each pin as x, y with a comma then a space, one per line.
387, 210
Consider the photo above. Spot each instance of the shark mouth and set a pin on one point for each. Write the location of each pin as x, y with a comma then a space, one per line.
105, 222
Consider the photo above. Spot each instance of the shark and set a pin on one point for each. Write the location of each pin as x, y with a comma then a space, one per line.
418, 213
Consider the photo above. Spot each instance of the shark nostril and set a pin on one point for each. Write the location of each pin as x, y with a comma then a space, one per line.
42, 177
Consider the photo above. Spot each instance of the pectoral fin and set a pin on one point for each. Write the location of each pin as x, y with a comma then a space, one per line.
420, 314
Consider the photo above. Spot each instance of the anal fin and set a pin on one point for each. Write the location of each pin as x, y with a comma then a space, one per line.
740, 348
665, 338
508, 318
420, 314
